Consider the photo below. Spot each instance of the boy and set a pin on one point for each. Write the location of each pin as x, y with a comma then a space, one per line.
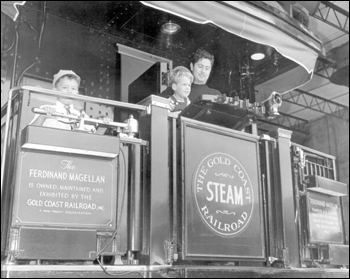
201, 66
180, 81
65, 81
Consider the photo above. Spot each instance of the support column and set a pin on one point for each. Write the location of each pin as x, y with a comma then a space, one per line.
284, 182
154, 127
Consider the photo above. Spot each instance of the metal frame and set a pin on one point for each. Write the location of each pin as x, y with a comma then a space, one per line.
324, 13
317, 103
311, 251
309, 101
288, 122
324, 68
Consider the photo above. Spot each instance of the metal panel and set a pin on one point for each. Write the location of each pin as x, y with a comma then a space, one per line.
339, 254
324, 218
56, 140
327, 186
59, 244
90, 54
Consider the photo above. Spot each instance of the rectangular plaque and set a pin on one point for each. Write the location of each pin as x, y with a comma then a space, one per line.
222, 208
65, 191
324, 218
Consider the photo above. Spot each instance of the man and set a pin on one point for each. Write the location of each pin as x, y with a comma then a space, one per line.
201, 65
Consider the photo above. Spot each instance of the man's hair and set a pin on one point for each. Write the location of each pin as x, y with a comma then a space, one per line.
201, 54
178, 72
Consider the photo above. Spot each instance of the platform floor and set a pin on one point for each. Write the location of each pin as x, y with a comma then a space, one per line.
181, 271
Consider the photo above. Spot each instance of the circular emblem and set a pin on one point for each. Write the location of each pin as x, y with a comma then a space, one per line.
223, 194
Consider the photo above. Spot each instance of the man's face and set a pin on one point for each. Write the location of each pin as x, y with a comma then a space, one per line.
67, 85
201, 71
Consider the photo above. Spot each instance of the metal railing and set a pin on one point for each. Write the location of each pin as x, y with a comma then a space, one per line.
308, 162
314, 162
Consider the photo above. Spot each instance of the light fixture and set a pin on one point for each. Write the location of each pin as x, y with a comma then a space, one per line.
257, 56
170, 28
258, 53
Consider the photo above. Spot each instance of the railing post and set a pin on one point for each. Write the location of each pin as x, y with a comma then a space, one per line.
284, 179
154, 127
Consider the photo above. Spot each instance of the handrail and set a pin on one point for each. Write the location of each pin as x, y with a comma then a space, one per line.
79, 118
317, 163
310, 150
84, 98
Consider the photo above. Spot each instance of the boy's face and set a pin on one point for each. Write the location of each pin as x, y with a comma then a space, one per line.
183, 87
67, 85
201, 71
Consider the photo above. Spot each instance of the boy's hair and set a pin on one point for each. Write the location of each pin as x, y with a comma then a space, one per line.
178, 72
200, 54
65, 73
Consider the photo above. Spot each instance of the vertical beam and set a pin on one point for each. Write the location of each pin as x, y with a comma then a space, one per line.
285, 181
154, 128
134, 198
270, 228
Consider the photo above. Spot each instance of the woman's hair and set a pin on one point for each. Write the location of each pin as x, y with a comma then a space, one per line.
200, 54
178, 72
